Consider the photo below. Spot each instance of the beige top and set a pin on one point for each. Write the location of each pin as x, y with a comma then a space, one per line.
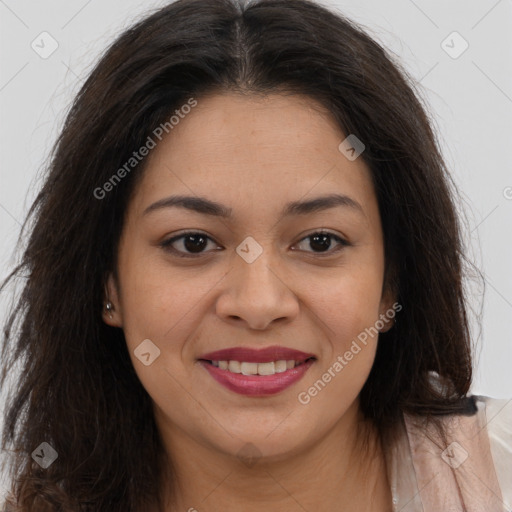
469, 471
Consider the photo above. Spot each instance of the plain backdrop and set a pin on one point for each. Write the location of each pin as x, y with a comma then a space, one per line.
459, 52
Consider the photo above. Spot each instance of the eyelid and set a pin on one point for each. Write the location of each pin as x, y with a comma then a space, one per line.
340, 239
167, 244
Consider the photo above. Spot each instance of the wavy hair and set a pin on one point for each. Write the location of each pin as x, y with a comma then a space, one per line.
77, 389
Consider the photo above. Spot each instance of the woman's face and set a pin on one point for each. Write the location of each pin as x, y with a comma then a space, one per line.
252, 279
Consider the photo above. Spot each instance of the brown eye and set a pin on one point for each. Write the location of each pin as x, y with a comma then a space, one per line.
193, 244
321, 242
189, 244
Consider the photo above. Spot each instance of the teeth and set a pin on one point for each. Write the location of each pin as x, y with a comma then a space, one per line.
249, 368
246, 368
266, 368
234, 366
280, 366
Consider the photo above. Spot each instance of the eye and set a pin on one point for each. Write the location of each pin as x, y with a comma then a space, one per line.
321, 242
193, 243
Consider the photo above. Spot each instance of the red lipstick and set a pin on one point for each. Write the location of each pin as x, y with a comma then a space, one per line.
257, 385
260, 355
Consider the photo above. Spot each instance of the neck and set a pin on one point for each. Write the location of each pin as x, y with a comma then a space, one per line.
345, 469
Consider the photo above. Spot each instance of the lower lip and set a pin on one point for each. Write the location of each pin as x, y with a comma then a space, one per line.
258, 385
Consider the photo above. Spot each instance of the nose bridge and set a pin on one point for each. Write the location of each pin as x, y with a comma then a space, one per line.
254, 265
256, 293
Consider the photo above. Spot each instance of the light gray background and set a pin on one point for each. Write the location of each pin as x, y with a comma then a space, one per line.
469, 97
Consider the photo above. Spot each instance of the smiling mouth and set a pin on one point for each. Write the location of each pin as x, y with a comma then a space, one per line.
252, 368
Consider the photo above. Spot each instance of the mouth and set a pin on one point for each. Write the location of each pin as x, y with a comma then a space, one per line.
257, 372
252, 368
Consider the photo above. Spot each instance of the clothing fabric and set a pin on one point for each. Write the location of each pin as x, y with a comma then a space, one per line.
469, 469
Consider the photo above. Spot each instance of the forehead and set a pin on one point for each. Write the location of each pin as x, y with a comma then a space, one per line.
273, 150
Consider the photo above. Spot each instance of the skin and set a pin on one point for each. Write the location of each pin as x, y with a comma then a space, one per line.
254, 155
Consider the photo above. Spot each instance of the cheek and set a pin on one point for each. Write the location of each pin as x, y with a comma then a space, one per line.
350, 305
155, 298
161, 308
346, 377
350, 315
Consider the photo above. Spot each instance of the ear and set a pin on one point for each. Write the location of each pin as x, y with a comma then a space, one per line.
388, 307
114, 316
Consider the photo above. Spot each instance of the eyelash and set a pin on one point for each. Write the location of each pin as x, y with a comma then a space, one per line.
167, 244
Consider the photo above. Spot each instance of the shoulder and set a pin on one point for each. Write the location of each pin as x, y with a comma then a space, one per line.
496, 415
462, 459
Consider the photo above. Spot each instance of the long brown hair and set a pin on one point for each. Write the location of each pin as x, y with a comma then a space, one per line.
77, 389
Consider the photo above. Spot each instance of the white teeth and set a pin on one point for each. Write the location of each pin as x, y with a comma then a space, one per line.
249, 368
266, 368
234, 366
246, 368
280, 366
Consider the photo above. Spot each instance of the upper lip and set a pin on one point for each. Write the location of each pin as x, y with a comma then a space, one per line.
257, 355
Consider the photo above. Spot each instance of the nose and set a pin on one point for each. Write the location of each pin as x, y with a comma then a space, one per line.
257, 294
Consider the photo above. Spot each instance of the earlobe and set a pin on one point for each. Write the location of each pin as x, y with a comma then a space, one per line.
111, 311
388, 311
389, 305
388, 323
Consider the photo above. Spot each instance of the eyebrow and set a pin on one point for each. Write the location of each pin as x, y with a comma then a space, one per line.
207, 207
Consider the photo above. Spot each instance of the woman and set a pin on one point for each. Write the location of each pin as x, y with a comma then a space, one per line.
243, 284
